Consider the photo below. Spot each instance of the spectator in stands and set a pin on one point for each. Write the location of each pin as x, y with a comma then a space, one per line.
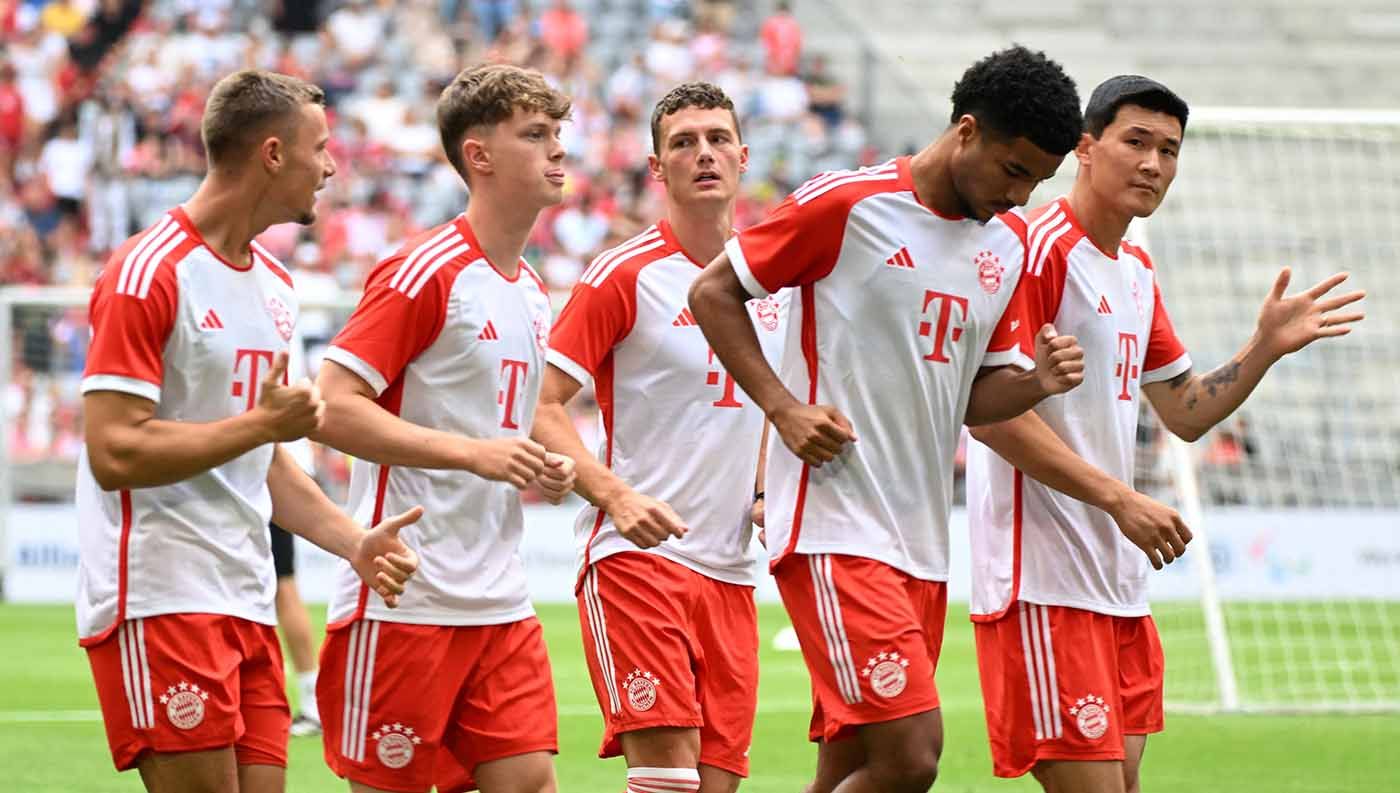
826, 96
782, 40
563, 30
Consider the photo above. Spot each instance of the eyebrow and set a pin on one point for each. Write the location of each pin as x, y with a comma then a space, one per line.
1149, 133
1017, 169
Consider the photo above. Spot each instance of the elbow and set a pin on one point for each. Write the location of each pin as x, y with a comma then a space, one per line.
110, 473
1188, 434
698, 296
982, 433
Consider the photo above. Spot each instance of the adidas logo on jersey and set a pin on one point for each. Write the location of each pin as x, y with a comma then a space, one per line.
901, 258
488, 333
685, 319
1103, 305
211, 321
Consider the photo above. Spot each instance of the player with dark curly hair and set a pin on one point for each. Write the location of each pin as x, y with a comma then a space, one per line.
909, 322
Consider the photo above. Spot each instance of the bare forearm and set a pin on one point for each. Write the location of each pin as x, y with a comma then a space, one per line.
1029, 444
554, 430
717, 299
1191, 404
158, 452
299, 506
358, 426
1002, 394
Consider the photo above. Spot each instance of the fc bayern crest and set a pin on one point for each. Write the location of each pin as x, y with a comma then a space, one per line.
1091, 715
281, 316
641, 690
541, 332
767, 310
989, 271
394, 744
184, 705
888, 674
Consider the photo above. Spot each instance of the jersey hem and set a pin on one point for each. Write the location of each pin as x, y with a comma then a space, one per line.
443, 619
359, 366
807, 549
740, 263
1098, 608
568, 366
122, 383
138, 614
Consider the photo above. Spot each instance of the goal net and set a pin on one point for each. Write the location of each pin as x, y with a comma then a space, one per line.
1293, 600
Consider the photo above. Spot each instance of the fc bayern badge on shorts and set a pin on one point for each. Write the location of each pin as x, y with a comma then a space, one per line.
394, 744
767, 311
641, 689
184, 705
281, 317
888, 674
1091, 715
989, 271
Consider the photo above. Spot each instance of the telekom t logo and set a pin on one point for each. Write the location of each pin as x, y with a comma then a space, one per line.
713, 377
1126, 370
939, 329
249, 384
512, 375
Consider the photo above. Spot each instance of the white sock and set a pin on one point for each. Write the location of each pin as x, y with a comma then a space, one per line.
663, 780
306, 694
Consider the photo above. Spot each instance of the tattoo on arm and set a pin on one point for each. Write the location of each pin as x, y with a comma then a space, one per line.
1212, 383
1180, 380
1221, 377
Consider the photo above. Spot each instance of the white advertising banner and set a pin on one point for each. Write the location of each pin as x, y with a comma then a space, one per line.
1259, 554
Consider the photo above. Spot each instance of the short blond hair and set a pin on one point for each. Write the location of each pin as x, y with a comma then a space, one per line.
244, 103
487, 95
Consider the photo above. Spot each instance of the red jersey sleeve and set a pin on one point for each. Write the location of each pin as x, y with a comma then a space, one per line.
794, 246
596, 318
1166, 356
130, 328
391, 326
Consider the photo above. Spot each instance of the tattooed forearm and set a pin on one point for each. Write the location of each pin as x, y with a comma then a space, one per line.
1180, 380
1221, 377
1212, 383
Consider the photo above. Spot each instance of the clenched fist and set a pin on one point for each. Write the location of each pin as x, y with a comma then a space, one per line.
1059, 361
293, 411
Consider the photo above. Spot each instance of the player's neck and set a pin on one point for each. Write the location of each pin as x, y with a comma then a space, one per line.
932, 172
701, 231
226, 216
502, 228
1104, 224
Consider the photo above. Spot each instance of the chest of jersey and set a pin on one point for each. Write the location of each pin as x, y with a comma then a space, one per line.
484, 369
1107, 305
228, 330
666, 356
933, 288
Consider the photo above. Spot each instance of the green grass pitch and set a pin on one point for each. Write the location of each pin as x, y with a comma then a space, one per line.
51, 741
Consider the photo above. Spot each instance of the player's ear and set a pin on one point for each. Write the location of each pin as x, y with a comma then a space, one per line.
1082, 151
658, 172
743, 158
476, 156
967, 128
272, 153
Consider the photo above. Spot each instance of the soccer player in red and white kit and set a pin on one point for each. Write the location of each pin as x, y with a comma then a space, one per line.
906, 320
185, 406
1070, 660
432, 386
666, 575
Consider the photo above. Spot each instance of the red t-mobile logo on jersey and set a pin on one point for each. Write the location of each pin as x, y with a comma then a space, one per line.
249, 383
512, 375
1126, 370
713, 377
940, 330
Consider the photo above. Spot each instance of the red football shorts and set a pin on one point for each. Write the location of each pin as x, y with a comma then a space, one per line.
192, 682
870, 635
405, 707
669, 647
1062, 683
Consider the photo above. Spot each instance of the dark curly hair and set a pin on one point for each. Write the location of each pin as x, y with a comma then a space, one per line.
703, 95
1017, 93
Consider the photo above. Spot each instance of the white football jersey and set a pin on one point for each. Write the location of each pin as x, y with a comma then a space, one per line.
676, 426
175, 323
450, 343
896, 310
1030, 542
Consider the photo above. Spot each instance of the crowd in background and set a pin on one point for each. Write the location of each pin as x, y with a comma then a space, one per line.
100, 104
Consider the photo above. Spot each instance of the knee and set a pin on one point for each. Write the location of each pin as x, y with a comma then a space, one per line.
912, 772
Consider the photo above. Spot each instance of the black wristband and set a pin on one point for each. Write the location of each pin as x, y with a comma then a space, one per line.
758, 496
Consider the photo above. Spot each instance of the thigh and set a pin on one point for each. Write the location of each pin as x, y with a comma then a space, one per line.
266, 714
385, 691
505, 706
209, 771
636, 636
168, 684
863, 638
727, 674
